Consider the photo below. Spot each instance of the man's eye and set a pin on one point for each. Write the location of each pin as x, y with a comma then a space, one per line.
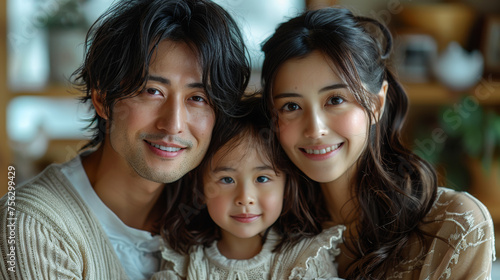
199, 99
152, 91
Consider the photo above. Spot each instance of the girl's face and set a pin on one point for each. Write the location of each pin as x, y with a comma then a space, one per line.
323, 129
244, 195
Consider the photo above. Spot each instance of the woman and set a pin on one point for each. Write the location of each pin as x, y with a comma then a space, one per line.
338, 112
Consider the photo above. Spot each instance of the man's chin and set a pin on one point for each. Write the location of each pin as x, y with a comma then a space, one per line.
158, 176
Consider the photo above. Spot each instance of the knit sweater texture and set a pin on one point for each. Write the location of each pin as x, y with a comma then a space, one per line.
50, 233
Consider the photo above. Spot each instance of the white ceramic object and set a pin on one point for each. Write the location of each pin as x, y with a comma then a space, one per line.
32, 121
458, 69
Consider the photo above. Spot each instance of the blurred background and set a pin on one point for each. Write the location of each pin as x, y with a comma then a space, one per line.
447, 53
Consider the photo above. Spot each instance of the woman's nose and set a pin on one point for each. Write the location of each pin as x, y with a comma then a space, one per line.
316, 126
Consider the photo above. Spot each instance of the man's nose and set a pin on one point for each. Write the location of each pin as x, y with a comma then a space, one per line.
173, 116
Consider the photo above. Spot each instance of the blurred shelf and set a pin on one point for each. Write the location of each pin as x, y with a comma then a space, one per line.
494, 208
51, 90
434, 93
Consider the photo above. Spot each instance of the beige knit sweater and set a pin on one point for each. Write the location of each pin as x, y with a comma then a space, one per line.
56, 235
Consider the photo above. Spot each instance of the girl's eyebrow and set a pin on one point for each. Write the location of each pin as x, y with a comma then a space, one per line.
264, 167
223, 169
293, 94
230, 169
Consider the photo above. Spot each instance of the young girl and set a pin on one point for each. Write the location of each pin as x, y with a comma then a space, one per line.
247, 215
339, 113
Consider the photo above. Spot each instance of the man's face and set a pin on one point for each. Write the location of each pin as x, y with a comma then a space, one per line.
164, 131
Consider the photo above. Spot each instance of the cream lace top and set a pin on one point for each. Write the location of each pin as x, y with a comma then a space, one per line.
465, 223
312, 258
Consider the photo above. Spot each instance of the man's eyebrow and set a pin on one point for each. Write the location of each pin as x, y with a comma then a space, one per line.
196, 85
159, 79
166, 81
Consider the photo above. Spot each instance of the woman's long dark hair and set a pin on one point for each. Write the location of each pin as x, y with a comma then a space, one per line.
187, 221
121, 44
394, 188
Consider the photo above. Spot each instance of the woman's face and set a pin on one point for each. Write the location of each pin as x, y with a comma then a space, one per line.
322, 127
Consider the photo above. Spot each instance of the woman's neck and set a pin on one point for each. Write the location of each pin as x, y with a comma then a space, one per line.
342, 207
339, 200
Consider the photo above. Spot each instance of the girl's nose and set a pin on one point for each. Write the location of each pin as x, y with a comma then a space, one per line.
245, 196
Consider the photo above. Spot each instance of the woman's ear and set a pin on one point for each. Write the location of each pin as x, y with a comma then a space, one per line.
381, 95
98, 104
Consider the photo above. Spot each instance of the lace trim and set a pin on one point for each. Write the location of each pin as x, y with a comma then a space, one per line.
212, 253
328, 240
178, 261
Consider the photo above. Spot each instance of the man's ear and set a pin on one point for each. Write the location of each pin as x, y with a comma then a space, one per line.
381, 95
98, 104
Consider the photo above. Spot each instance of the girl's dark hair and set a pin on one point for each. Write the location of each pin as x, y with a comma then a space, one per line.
393, 187
187, 222
121, 44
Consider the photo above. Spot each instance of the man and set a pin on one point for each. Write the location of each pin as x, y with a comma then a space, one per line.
160, 74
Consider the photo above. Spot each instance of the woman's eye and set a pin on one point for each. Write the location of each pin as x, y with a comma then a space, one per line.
227, 180
336, 100
290, 107
262, 179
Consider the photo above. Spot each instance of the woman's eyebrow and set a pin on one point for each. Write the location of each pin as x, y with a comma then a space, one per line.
286, 95
293, 94
334, 86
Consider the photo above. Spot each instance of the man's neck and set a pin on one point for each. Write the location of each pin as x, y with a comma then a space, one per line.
131, 197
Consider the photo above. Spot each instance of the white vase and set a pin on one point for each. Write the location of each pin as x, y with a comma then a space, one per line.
458, 69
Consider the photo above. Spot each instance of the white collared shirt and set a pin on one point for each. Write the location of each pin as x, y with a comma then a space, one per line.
138, 250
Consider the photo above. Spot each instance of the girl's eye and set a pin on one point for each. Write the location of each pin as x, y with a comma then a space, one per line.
336, 100
290, 107
227, 180
262, 179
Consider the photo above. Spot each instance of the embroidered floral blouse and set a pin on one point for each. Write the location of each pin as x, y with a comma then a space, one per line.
465, 223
